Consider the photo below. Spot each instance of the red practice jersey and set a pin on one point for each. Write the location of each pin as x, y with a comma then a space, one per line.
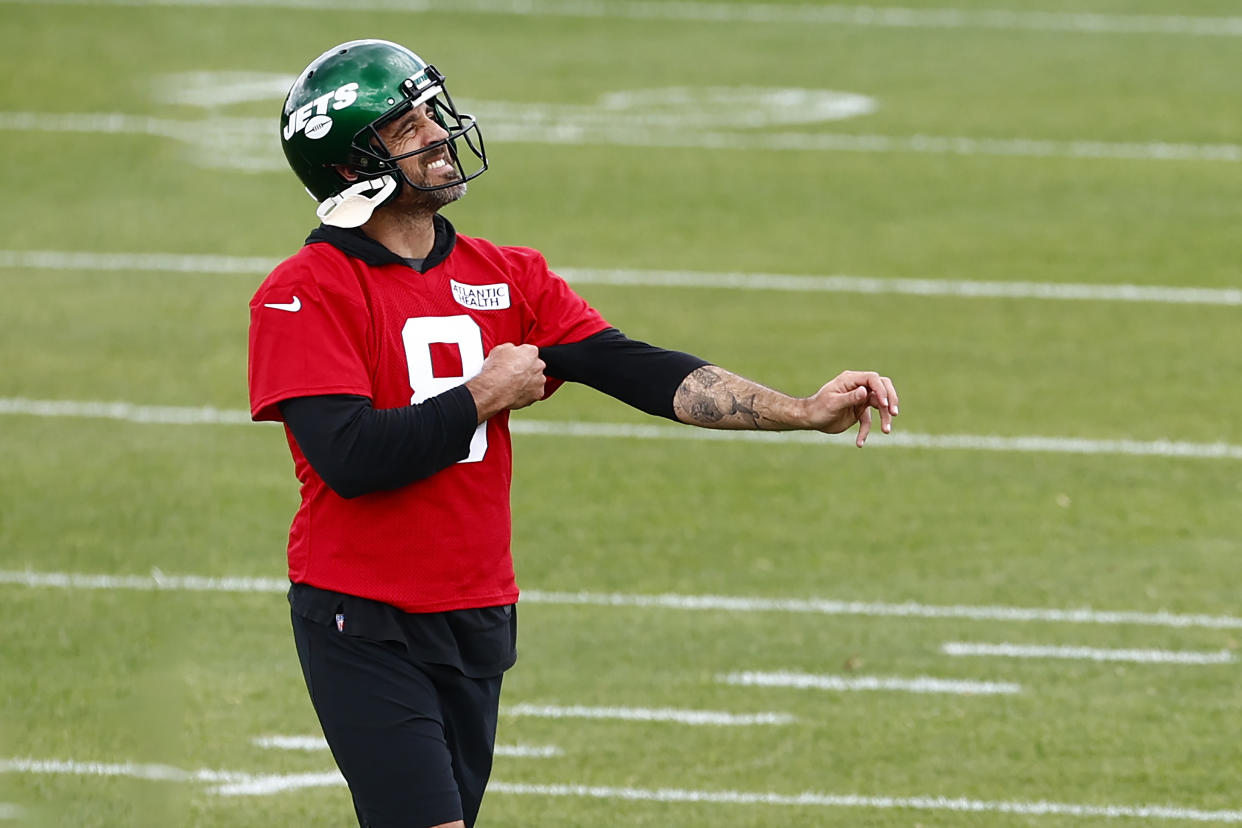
325, 322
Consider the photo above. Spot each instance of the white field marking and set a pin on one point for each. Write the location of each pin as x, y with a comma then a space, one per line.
211, 90
801, 14
961, 648
586, 135
268, 784
921, 684
155, 582
225, 142
291, 742
158, 773
159, 581
248, 144
817, 606
919, 803
898, 439
910, 287
317, 743
130, 262
256, 266
144, 414
228, 783
529, 751
701, 108
641, 714
175, 415
10, 811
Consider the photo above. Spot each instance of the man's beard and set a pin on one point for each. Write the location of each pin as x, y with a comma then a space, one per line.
429, 201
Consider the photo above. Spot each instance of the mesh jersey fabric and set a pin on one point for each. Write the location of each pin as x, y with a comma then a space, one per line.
325, 322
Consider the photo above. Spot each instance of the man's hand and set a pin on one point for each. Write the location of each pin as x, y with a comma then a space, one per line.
712, 397
847, 399
511, 377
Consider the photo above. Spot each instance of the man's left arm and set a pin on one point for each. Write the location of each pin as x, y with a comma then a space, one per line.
686, 388
712, 397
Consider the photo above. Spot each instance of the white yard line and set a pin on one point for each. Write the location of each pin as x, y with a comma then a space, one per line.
920, 684
129, 412
267, 784
231, 783
918, 803
959, 288
228, 783
899, 439
257, 266
161, 582
799, 14
818, 606
206, 415
130, 262
961, 648
133, 770
120, 123
10, 811
317, 743
291, 742
643, 714
529, 751
155, 582
1022, 147
215, 137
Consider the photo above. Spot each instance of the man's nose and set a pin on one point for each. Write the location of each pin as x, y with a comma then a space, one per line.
437, 132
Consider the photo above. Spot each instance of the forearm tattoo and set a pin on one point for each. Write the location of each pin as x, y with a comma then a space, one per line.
710, 396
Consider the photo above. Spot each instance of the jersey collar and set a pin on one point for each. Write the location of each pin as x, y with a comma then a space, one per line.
353, 242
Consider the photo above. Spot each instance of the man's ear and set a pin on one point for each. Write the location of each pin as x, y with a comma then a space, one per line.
346, 173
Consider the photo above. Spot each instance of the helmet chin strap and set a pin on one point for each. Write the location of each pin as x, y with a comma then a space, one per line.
353, 206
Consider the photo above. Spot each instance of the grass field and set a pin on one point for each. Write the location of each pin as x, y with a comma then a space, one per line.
1032, 211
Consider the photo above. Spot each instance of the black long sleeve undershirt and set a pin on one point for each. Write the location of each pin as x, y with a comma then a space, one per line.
637, 374
357, 449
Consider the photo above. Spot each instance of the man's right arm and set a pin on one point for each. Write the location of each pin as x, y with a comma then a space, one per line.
358, 449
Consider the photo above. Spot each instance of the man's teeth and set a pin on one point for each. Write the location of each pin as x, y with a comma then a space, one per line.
435, 165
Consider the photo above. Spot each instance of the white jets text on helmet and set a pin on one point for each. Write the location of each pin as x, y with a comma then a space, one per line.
339, 98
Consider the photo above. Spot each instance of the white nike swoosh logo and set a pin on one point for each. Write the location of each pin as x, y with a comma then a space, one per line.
294, 306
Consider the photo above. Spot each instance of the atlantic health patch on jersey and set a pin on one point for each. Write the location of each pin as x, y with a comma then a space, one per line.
481, 297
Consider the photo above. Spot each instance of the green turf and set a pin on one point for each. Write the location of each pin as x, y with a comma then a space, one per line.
189, 679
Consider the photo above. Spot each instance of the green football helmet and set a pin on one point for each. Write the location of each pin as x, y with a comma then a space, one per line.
332, 115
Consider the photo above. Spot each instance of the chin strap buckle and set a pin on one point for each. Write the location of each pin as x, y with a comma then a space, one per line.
353, 206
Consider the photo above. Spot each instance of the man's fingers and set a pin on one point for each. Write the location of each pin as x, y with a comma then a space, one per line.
885, 393
876, 383
892, 394
883, 397
886, 421
859, 391
880, 387
864, 425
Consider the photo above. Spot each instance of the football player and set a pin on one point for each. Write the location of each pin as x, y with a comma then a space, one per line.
393, 349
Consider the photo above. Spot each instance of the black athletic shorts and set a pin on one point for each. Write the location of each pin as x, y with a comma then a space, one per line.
413, 738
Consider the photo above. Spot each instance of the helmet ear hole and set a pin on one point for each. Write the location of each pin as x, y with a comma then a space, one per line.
364, 164
348, 174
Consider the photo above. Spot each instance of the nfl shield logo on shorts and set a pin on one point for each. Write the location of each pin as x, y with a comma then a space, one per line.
340, 622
